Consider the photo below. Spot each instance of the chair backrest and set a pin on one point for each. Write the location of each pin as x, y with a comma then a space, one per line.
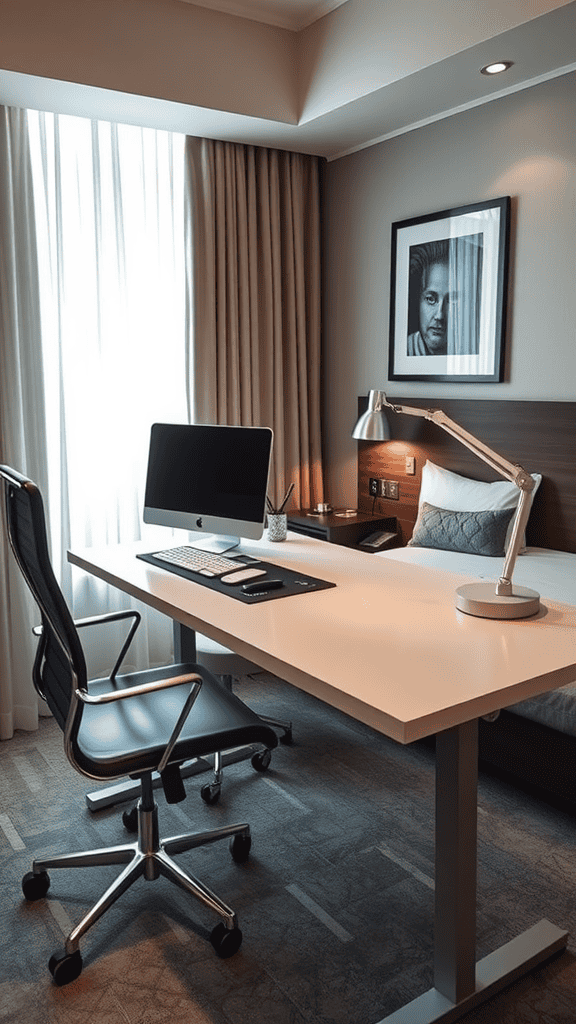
60, 663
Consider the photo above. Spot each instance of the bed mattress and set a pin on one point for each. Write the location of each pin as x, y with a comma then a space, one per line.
552, 574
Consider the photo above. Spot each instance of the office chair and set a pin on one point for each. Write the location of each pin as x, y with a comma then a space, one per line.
127, 725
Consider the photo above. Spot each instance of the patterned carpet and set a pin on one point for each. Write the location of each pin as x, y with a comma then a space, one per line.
335, 902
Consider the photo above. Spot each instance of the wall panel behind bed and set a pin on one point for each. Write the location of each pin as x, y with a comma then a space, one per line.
541, 436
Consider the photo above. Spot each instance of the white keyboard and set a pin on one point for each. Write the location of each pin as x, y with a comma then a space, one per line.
206, 563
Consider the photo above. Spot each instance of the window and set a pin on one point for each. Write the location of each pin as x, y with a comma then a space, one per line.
109, 207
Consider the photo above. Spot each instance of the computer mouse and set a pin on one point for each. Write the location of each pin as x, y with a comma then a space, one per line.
262, 586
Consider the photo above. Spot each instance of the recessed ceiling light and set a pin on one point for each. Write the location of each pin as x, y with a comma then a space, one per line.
496, 68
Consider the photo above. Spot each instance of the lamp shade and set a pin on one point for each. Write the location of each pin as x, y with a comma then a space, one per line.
373, 425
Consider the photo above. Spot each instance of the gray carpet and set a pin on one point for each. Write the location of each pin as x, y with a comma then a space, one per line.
335, 902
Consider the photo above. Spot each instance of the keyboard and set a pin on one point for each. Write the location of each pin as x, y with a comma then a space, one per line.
206, 563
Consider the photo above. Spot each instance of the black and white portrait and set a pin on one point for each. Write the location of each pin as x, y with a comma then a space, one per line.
445, 297
448, 294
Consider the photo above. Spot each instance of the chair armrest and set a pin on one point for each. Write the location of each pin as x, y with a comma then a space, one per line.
138, 690
95, 620
150, 687
115, 617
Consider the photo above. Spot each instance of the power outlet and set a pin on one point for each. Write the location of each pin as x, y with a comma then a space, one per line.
383, 488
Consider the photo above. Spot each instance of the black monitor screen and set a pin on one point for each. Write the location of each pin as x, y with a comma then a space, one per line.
208, 478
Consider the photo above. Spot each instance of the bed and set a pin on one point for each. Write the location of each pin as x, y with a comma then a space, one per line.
532, 744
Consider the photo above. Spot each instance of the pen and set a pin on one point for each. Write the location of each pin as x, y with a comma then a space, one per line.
286, 497
278, 511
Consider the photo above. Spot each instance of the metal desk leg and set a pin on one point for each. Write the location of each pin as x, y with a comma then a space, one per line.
184, 643
455, 861
460, 983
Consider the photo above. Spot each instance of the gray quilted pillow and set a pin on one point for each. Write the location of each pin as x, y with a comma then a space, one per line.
475, 533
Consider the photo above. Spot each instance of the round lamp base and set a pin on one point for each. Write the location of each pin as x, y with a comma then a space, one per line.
481, 599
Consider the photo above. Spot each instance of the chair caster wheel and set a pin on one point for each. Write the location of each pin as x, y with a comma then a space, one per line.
210, 793
65, 969
226, 942
240, 848
35, 886
286, 737
261, 760
130, 820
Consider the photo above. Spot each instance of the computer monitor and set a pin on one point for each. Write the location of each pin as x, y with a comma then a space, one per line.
210, 480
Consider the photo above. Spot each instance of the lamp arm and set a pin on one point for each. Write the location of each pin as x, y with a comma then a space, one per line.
504, 585
509, 470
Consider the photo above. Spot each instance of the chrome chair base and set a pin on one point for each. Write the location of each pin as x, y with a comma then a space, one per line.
150, 857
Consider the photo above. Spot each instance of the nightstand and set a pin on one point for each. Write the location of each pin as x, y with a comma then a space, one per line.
337, 527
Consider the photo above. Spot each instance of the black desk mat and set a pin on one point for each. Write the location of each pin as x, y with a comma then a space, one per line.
294, 582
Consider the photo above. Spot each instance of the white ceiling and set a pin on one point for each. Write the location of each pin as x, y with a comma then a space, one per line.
367, 70
292, 14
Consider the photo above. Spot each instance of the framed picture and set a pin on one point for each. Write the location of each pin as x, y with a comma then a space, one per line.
448, 290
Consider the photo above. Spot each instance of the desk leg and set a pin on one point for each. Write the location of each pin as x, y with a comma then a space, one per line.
184, 643
455, 861
461, 983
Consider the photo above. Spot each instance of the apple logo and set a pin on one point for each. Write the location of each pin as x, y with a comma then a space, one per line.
199, 521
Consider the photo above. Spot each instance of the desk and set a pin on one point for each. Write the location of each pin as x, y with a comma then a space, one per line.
388, 647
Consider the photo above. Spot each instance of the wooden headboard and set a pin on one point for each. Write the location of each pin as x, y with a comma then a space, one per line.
540, 436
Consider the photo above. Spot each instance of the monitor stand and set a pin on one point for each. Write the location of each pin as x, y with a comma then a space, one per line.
215, 543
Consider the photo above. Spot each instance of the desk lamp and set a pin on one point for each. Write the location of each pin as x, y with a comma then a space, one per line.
489, 601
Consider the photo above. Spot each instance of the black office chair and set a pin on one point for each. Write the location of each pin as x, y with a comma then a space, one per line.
130, 725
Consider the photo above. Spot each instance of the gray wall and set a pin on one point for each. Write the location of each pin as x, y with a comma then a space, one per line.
524, 146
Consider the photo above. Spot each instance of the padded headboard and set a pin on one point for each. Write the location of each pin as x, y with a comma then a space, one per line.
540, 436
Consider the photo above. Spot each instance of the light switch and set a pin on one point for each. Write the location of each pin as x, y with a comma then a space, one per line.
410, 465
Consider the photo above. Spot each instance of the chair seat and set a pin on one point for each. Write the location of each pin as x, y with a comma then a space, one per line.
128, 737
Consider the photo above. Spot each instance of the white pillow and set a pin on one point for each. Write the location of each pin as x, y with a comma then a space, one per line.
444, 489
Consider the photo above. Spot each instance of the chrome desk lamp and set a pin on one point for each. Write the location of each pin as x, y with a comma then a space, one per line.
502, 600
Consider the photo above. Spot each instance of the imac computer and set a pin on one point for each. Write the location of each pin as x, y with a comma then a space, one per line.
208, 479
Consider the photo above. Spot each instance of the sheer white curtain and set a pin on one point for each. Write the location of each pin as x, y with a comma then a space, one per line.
21, 409
110, 234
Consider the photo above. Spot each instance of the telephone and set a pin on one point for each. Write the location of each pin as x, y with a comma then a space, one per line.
379, 540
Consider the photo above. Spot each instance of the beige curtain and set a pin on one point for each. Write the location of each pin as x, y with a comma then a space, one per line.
254, 302
22, 421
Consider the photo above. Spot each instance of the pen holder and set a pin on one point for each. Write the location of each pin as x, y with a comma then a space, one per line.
277, 526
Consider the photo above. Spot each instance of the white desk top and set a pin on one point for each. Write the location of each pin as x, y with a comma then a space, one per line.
386, 645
